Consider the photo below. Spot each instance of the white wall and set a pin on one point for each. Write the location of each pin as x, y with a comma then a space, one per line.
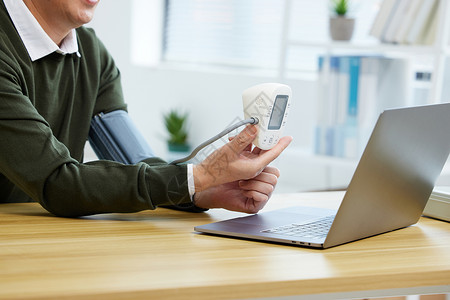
213, 99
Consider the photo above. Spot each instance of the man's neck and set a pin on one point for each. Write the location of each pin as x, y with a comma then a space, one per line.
56, 33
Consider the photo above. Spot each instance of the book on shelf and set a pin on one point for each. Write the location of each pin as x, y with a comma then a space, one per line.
406, 22
394, 21
353, 90
428, 37
382, 18
445, 95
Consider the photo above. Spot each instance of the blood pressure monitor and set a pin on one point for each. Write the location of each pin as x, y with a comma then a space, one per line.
265, 105
269, 104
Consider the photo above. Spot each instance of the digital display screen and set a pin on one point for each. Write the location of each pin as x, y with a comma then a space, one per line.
279, 108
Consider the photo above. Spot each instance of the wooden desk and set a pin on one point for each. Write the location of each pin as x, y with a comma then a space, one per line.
156, 255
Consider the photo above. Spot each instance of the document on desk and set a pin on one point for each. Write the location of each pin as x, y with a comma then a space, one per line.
438, 205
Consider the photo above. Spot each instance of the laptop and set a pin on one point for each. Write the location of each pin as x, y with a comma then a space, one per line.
394, 178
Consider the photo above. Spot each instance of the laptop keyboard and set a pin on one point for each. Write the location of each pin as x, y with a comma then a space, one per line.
317, 229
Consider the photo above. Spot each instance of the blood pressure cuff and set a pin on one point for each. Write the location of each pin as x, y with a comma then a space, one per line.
113, 136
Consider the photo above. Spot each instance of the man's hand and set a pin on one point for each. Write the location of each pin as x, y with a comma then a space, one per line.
235, 177
236, 161
247, 196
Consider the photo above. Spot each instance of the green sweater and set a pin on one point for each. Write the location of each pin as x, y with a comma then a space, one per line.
45, 111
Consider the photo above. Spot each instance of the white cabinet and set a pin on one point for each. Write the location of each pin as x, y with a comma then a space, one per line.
312, 172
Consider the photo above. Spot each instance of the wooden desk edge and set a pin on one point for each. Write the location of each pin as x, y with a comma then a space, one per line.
382, 285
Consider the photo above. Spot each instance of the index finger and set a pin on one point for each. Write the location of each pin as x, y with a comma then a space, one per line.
269, 155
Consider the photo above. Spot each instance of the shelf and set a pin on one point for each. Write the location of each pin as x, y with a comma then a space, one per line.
372, 47
312, 171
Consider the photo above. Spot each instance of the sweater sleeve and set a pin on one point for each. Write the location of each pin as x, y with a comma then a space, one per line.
34, 160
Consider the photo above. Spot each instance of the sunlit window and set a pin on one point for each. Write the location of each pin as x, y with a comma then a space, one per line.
250, 33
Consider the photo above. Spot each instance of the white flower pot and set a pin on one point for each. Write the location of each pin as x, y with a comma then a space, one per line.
341, 28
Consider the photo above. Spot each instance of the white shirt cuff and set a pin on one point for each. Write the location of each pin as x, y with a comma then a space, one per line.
190, 178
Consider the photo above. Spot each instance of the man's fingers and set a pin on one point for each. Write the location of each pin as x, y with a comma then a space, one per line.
257, 186
243, 139
264, 183
256, 196
263, 177
272, 170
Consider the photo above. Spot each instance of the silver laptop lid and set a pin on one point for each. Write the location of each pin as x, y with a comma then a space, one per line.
396, 174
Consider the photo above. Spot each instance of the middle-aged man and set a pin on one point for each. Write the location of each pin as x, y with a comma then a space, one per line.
55, 75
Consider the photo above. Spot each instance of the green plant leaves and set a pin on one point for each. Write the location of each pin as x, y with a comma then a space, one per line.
175, 122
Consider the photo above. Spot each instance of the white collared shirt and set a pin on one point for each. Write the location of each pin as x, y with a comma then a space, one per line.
35, 39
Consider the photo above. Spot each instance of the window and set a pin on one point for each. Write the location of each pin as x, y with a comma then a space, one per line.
231, 32
250, 33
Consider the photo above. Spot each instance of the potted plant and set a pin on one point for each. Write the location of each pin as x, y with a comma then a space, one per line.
176, 122
341, 26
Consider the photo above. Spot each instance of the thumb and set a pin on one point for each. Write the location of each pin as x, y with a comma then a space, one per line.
243, 139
